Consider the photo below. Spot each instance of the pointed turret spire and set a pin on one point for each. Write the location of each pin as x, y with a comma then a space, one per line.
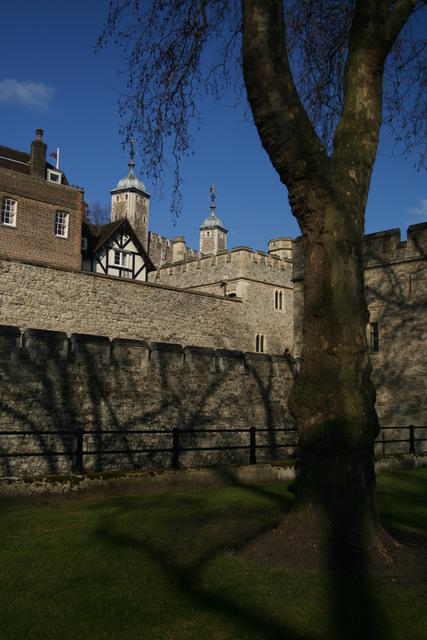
212, 232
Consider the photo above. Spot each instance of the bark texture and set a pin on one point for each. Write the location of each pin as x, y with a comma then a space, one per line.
333, 399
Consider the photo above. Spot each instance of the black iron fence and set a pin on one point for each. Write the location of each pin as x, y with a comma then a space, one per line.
79, 445
408, 436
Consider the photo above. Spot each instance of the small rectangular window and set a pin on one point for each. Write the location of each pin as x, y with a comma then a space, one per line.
259, 343
120, 258
54, 176
8, 212
373, 337
61, 224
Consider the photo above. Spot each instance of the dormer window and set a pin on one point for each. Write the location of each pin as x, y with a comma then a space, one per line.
54, 176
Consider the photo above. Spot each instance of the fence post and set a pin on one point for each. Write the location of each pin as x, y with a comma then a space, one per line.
79, 450
252, 445
383, 434
411, 438
175, 448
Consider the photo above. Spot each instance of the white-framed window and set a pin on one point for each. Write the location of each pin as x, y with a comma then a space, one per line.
278, 300
121, 258
61, 224
259, 343
54, 176
8, 212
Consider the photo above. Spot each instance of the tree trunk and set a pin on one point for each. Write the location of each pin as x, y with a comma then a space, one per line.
333, 397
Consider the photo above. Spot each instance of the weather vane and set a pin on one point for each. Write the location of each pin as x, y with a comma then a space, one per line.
131, 162
212, 199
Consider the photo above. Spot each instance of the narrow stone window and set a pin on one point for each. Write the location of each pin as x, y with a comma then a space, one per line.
259, 343
278, 300
373, 337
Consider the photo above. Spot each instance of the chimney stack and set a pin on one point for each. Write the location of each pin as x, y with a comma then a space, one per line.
38, 156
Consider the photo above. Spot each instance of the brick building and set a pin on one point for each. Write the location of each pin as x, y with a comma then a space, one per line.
41, 214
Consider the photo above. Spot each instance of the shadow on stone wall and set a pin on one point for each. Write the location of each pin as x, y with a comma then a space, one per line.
52, 386
396, 295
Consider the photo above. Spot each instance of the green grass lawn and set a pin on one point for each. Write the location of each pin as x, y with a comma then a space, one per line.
162, 566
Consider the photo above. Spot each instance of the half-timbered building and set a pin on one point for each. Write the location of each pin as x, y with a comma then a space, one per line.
114, 249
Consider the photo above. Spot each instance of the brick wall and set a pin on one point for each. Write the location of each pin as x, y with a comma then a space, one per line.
33, 237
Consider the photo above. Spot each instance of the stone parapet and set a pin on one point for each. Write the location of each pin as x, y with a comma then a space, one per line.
53, 386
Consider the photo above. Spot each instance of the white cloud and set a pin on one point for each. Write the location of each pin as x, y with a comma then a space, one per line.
421, 210
32, 94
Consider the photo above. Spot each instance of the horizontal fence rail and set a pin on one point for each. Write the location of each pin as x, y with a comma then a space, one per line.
80, 444
411, 439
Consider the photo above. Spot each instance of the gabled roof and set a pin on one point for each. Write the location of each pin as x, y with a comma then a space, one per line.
98, 234
20, 161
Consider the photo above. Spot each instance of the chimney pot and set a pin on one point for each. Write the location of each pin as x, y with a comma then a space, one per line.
39, 134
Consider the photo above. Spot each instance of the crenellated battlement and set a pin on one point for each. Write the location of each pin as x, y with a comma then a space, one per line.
40, 345
161, 250
380, 249
387, 246
240, 262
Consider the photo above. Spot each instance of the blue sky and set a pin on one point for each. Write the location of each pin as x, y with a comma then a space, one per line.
51, 78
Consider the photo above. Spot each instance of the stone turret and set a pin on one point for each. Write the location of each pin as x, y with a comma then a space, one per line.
213, 235
130, 200
281, 247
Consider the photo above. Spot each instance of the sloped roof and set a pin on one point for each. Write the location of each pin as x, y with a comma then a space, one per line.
20, 161
98, 234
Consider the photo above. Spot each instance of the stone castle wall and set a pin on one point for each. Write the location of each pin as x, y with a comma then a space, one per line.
252, 276
240, 262
161, 252
81, 302
110, 388
396, 295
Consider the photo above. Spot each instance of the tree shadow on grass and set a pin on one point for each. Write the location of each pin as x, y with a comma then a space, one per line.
353, 600
188, 578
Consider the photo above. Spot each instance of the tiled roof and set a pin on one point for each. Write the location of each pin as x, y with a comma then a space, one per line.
19, 161
14, 160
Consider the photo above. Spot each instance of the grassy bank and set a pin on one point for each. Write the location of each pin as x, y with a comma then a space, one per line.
163, 567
